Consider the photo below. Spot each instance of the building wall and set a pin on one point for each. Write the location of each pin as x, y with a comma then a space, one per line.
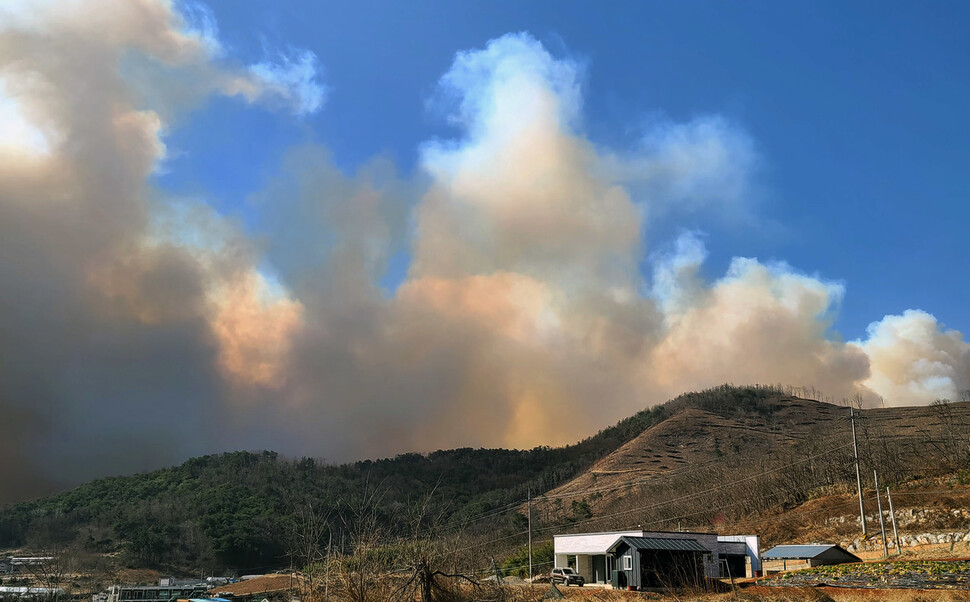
633, 573
584, 566
752, 545
776, 566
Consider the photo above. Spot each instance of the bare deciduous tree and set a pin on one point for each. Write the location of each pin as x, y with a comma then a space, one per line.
362, 574
53, 571
308, 546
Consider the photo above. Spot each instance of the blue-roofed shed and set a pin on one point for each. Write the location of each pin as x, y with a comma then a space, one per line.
808, 555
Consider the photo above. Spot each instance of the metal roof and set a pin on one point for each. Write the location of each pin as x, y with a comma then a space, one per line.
627, 532
788, 552
662, 543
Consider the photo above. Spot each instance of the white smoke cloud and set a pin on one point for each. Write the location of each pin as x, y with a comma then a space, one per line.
293, 80
200, 22
915, 360
18, 134
704, 164
521, 190
510, 84
676, 273
760, 321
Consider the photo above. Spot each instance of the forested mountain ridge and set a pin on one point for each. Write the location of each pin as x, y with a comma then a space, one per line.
229, 509
234, 511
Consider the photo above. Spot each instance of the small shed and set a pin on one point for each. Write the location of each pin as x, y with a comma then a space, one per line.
655, 562
805, 556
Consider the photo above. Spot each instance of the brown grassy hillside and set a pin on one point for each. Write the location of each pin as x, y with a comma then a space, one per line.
711, 465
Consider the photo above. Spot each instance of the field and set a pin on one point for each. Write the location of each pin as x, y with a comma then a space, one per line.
904, 574
751, 593
904, 580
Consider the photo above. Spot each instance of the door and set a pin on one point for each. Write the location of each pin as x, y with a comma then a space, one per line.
599, 569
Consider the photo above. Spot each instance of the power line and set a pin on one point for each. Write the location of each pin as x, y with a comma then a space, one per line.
656, 505
666, 502
668, 475
650, 478
710, 490
465, 521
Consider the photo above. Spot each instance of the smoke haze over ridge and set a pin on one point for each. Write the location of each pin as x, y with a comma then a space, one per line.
138, 329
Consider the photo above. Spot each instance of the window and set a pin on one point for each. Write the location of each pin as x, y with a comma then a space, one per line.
628, 563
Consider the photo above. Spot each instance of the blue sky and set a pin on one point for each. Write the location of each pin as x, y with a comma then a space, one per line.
856, 110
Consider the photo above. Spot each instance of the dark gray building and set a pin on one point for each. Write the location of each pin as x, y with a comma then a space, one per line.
659, 562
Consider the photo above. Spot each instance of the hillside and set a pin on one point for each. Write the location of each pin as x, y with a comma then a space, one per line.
694, 436
676, 462
711, 463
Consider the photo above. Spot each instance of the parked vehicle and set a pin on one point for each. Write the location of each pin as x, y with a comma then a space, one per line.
567, 577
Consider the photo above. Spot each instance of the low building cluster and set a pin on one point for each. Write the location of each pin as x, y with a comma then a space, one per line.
639, 559
633, 559
12, 565
214, 589
250, 588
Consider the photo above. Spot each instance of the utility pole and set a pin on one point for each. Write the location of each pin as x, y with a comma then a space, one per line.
530, 535
858, 475
882, 523
326, 584
892, 515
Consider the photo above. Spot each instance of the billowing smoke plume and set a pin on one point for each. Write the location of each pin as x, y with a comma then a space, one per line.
122, 313
138, 329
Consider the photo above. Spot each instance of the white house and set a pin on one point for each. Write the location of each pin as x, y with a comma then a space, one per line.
593, 555
588, 553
